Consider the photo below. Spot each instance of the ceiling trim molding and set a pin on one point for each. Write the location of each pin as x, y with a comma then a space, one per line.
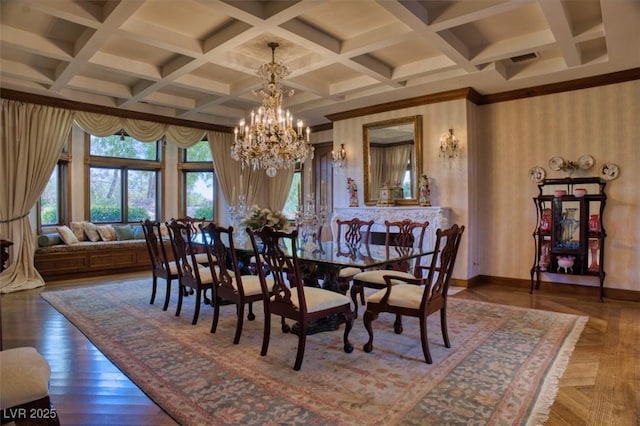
99, 109
565, 86
465, 93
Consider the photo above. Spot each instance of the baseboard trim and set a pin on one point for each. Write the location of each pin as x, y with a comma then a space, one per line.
548, 286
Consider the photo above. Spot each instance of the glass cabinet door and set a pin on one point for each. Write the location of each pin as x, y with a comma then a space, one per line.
566, 224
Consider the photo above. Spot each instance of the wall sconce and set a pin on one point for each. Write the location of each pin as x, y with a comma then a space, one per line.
339, 157
449, 145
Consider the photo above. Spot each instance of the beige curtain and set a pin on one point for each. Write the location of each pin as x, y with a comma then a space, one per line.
227, 169
32, 139
397, 159
279, 187
144, 131
258, 188
377, 171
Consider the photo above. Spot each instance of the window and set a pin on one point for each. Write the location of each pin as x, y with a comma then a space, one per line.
53, 206
198, 185
123, 179
294, 199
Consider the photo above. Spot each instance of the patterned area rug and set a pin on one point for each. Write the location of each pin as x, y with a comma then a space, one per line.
503, 367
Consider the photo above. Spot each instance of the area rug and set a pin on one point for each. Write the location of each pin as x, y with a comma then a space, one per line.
503, 367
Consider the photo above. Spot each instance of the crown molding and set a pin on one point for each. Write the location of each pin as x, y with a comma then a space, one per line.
15, 95
464, 93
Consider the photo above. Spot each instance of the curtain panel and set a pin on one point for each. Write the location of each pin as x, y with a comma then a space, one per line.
32, 138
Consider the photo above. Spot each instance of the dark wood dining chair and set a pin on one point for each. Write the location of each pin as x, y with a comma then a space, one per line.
418, 297
193, 276
194, 223
162, 265
291, 299
229, 283
351, 236
400, 238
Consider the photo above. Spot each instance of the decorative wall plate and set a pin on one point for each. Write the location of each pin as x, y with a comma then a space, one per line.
556, 163
586, 162
609, 171
537, 174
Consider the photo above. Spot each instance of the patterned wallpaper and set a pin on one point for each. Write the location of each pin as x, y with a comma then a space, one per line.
516, 135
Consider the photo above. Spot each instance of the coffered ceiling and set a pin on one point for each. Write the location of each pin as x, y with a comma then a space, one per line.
197, 59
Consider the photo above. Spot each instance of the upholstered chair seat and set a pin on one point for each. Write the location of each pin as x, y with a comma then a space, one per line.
25, 378
375, 277
318, 299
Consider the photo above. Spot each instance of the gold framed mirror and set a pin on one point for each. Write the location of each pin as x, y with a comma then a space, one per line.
392, 157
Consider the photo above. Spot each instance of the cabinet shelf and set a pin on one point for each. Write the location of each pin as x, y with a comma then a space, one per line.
569, 234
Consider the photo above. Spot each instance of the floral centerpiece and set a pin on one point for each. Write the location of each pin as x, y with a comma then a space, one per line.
257, 218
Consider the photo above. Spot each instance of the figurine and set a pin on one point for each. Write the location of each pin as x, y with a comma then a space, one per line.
425, 191
352, 188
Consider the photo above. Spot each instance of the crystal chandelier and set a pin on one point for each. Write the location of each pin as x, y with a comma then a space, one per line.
270, 141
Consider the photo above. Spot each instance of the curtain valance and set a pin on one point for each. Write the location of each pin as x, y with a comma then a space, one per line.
142, 130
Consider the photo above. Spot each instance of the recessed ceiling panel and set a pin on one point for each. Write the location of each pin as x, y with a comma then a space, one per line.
344, 20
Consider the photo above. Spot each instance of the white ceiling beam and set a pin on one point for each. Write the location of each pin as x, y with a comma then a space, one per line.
91, 41
560, 27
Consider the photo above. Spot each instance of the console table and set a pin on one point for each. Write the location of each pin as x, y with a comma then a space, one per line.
438, 217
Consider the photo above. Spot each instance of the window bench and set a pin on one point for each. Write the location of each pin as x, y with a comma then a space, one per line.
88, 259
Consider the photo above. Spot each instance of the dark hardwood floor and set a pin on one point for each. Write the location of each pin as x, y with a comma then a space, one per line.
601, 385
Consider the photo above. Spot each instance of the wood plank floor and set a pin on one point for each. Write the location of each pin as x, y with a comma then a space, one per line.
601, 385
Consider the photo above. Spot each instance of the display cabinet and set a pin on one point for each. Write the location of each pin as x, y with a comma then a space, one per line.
569, 234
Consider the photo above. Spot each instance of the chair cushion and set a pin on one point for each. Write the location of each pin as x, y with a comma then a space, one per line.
349, 272
25, 376
202, 258
375, 277
205, 274
402, 295
251, 284
319, 299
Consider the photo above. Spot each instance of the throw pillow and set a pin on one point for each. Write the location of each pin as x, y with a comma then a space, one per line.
138, 232
123, 232
46, 240
66, 234
78, 231
91, 230
106, 232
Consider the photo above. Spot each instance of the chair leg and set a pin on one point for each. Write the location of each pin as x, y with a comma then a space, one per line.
285, 327
348, 319
397, 324
369, 317
424, 339
267, 330
167, 295
153, 289
181, 290
443, 325
240, 321
302, 342
216, 315
355, 290
196, 311
251, 316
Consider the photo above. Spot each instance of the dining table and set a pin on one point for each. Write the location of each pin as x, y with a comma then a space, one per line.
321, 262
